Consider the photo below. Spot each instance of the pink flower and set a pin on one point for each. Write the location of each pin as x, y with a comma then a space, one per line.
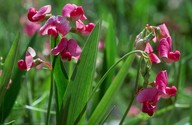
160, 31
165, 51
84, 29
54, 25
28, 63
30, 28
153, 57
35, 16
68, 49
150, 96
74, 12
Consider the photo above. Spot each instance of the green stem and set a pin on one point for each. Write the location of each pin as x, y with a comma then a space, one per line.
51, 89
133, 95
50, 99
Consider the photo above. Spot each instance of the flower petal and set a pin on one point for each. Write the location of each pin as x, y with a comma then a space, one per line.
173, 56
29, 57
148, 108
161, 81
171, 91
60, 47
62, 25
148, 48
48, 24
164, 31
154, 59
74, 49
164, 48
67, 9
148, 94
42, 12
22, 65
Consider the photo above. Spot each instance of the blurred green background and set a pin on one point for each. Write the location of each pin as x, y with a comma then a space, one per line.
130, 17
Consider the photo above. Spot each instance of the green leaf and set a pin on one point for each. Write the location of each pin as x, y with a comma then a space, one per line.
13, 91
104, 105
79, 88
109, 54
6, 76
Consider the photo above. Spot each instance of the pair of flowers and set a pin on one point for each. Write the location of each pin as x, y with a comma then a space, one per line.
54, 26
149, 97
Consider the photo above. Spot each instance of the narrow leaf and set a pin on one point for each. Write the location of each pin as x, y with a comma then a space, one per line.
109, 54
13, 91
79, 88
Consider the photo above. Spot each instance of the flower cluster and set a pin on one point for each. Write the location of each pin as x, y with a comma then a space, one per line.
59, 25
160, 37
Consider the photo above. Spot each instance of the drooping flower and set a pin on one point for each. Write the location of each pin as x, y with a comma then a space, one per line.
68, 49
153, 57
55, 25
84, 29
35, 16
149, 97
165, 51
30, 62
74, 12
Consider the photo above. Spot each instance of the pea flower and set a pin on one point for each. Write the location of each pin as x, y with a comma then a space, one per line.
84, 29
153, 57
68, 49
30, 62
35, 16
164, 32
160, 32
74, 12
165, 51
55, 25
149, 97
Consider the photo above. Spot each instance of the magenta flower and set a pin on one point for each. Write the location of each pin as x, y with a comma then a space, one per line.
74, 12
68, 49
150, 96
35, 16
28, 63
84, 29
30, 28
161, 32
153, 57
54, 25
165, 51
